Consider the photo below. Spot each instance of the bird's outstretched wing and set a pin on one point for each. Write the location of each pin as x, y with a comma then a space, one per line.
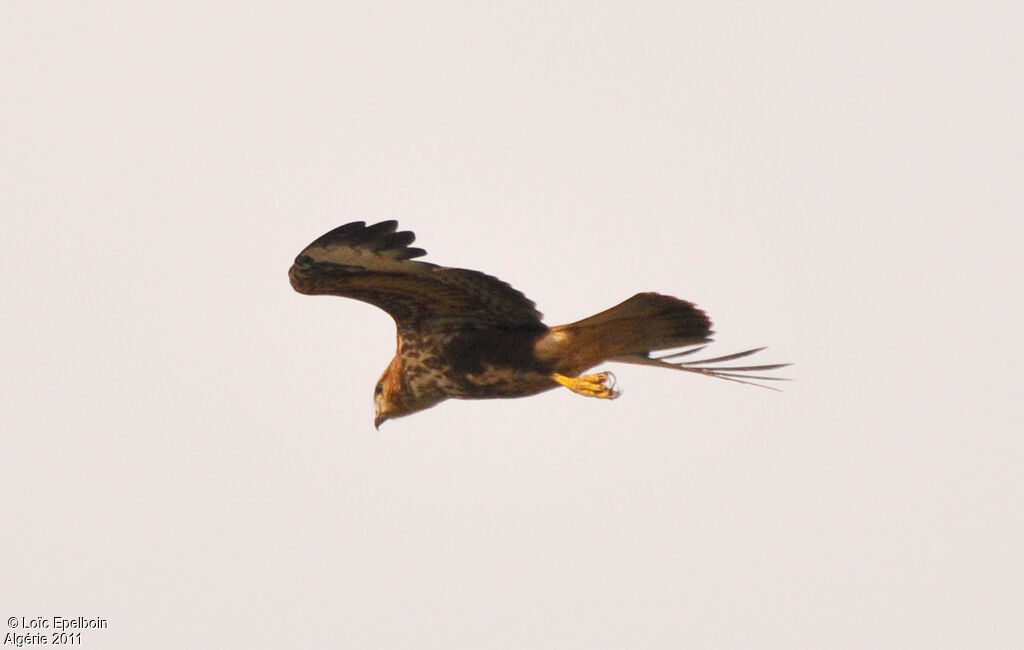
374, 264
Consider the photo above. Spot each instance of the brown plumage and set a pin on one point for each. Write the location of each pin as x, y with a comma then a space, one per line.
468, 335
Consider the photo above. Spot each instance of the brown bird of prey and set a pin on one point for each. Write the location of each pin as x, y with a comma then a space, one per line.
467, 335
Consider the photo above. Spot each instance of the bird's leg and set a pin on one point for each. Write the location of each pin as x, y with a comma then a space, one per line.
600, 385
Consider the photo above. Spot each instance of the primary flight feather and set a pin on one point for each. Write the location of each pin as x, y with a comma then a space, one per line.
468, 335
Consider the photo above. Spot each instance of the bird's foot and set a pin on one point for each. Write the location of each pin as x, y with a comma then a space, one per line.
601, 385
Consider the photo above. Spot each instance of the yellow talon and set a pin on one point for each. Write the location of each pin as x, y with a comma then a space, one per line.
600, 385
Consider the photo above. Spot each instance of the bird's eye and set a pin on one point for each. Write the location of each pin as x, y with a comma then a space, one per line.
379, 390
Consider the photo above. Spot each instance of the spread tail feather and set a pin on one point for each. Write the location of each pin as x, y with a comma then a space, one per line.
738, 374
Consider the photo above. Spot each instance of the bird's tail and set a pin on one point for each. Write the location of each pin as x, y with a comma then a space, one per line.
645, 322
632, 330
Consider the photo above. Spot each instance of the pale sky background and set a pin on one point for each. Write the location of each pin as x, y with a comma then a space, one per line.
188, 448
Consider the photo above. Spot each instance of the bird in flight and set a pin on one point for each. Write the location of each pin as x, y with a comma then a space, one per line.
466, 335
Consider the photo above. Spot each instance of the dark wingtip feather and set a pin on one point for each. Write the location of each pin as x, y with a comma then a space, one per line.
339, 234
409, 253
381, 227
370, 236
398, 240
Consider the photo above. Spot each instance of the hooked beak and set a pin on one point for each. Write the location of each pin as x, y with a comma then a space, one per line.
379, 420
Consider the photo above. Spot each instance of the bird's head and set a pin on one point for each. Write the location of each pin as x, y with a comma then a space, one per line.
385, 407
387, 400
394, 396
391, 397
